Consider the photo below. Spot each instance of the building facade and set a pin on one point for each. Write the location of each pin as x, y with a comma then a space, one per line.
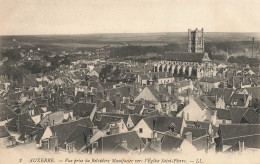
196, 41
195, 63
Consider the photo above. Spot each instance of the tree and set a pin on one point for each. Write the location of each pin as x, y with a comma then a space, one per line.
105, 71
117, 72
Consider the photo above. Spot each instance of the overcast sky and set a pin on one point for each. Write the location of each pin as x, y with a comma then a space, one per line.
19, 17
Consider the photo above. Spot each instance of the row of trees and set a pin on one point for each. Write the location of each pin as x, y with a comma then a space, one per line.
244, 60
134, 51
108, 71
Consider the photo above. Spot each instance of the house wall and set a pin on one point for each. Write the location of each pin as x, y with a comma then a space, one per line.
93, 73
36, 118
195, 113
210, 85
47, 134
147, 132
23, 98
144, 82
183, 126
190, 86
246, 86
165, 80
221, 104
248, 101
221, 121
129, 123
210, 130
145, 95
187, 147
211, 117
96, 136
2, 123
93, 113
66, 115
122, 127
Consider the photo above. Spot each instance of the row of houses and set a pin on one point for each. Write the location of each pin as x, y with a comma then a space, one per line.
73, 112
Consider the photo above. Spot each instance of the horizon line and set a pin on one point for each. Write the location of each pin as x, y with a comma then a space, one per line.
115, 33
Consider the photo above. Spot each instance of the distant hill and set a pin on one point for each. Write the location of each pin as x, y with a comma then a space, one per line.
239, 43
179, 37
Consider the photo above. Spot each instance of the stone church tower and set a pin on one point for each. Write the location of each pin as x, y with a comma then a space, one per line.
196, 41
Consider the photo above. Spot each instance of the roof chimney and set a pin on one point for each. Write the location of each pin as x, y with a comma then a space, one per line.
94, 130
117, 101
156, 85
241, 146
169, 89
123, 143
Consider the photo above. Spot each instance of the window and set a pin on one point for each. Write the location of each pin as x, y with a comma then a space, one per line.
140, 130
122, 125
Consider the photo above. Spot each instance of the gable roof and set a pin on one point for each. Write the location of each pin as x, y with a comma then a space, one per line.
198, 124
64, 129
30, 80
254, 91
223, 114
97, 85
233, 148
55, 117
170, 143
106, 104
225, 92
137, 109
196, 132
237, 81
154, 92
212, 79
249, 133
229, 131
110, 142
236, 114
14, 96
79, 136
102, 121
161, 75
199, 101
135, 118
122, 91
144, 77
150, 149
123, 116
184, 56
4, 132
201, 143
19, 122
120, 150
5, 112
251, 117
79, 96
83, 109
162, 123
240, 99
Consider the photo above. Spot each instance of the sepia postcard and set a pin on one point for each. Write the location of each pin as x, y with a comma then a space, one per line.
130, 81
